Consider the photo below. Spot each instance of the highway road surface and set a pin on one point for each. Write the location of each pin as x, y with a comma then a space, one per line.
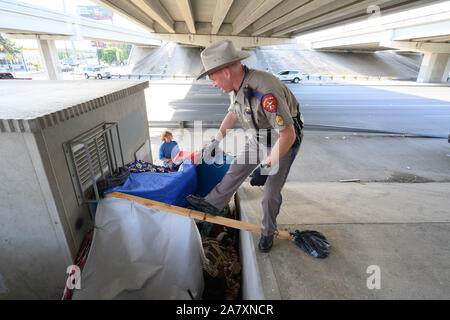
408, 108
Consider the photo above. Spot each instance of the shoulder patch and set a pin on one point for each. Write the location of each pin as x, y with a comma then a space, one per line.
269, 103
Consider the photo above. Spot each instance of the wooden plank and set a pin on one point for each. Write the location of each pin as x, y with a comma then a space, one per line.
236, 224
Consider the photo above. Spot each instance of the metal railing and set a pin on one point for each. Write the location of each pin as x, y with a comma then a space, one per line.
303, 77
154, 76
310, 77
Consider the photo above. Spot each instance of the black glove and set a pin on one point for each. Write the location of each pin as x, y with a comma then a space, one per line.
258, 179
209, 150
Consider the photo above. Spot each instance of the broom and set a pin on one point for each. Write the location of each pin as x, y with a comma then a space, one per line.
312, 242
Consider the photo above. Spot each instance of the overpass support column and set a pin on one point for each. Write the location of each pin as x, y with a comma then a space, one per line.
49, 55
435, 67
137, 54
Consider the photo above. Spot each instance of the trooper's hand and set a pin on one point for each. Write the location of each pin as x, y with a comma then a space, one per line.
265, 167
265, 164
209, 148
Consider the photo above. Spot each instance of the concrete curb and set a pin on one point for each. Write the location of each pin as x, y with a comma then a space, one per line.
258, 277
308, 127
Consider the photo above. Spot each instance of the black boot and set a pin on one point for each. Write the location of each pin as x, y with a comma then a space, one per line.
202, 205
265, 243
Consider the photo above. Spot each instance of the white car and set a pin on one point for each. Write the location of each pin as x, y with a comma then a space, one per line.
96, 72
294, 76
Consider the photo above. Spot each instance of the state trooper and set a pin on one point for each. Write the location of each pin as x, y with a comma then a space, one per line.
261, 102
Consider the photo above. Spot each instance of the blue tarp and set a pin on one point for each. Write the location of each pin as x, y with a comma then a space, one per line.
171, 188
210, 174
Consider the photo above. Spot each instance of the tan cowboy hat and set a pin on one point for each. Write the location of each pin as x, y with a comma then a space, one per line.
219, 55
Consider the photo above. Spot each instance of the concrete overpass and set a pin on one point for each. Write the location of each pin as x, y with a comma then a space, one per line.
25, 21
424, 31
248, 23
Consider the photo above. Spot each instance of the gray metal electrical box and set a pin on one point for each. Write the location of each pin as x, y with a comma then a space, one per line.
42, 223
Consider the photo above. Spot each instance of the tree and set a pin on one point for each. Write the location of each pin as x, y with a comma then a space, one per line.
64, 54
99, 54
9, 48
126, 48
110, 56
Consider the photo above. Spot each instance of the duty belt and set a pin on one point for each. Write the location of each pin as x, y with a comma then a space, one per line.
298, 126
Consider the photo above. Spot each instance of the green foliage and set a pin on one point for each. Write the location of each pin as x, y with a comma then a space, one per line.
126, 49
64, 54
8, 47
110, 56
100, 54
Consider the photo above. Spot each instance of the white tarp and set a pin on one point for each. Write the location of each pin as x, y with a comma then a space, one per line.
141, 253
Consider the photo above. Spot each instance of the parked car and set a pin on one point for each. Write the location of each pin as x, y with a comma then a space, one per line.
6, 75
294, 76
96, 72
72, 62
9, 76
66, 68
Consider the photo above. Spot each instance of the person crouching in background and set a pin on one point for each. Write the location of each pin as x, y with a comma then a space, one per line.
169, 148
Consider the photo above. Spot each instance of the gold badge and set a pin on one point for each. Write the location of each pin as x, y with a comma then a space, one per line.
248, 110
279, 120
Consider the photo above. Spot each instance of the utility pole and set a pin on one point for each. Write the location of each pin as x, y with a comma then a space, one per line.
74, 52
24, 62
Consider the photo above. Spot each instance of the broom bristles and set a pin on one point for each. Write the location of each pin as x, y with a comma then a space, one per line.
312, 242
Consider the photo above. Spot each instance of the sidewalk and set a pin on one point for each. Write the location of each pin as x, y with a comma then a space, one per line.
403, 228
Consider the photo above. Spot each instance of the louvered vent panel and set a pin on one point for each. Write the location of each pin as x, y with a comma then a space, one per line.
99, 161
82, 163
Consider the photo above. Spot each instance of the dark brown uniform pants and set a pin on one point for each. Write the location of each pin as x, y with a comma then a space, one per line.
240, 169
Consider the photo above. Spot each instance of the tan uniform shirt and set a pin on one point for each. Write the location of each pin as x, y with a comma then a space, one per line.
276, 108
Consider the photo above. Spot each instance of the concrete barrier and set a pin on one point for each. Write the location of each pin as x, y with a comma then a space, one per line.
334, 77
153, 76
321, 77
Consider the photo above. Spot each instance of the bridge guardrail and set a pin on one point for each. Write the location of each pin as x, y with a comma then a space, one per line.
154, 76
345, 77
304, 77
308, 77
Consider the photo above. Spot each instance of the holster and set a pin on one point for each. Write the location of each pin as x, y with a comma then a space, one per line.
298, 127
